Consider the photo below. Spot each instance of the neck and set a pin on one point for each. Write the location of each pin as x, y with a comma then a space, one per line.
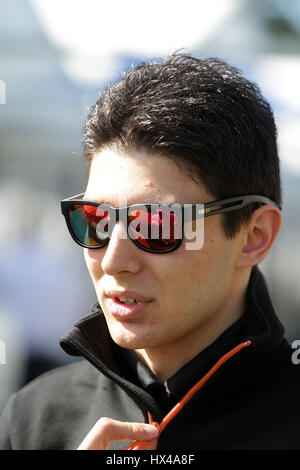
164, 361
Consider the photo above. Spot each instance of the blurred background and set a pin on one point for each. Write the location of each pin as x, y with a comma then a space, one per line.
55, 58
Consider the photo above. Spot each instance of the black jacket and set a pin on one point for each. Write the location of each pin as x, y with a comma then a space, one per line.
248, 400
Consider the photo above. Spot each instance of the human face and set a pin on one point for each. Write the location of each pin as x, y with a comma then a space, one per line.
189, 291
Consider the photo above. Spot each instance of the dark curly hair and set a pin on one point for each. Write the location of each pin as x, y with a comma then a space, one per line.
202, 113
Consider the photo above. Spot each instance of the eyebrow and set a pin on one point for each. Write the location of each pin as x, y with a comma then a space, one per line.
109, 203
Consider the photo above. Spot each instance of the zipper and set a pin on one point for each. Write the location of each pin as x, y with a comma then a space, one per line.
137, 445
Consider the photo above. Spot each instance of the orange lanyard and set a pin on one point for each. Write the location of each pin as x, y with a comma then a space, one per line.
137, 445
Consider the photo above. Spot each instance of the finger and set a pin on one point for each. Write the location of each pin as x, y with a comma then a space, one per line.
148, 445
107, 430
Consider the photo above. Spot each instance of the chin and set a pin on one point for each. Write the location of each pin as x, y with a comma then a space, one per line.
130, 344
129, 339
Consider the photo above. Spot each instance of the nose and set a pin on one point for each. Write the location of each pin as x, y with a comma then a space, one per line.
121, 254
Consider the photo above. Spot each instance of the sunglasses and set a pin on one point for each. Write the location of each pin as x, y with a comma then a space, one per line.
155, 228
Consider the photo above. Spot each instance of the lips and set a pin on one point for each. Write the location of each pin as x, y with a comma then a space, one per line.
124, 312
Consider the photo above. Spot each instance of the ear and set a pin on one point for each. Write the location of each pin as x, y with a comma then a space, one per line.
259, 235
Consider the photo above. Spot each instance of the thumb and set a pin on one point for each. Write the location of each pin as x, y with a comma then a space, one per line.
146, 445
120, 431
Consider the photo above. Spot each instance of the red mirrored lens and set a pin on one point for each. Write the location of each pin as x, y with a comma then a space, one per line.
157, 230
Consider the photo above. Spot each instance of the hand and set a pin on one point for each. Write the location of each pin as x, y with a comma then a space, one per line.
107, 430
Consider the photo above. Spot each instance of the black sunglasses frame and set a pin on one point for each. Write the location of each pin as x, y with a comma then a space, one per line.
231, 204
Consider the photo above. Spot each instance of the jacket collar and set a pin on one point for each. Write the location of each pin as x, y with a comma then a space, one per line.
90, 338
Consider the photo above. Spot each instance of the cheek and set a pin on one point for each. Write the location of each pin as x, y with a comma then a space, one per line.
174, 275
93, 259
195, 272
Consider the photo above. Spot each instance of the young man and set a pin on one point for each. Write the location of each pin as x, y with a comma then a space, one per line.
197, 349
